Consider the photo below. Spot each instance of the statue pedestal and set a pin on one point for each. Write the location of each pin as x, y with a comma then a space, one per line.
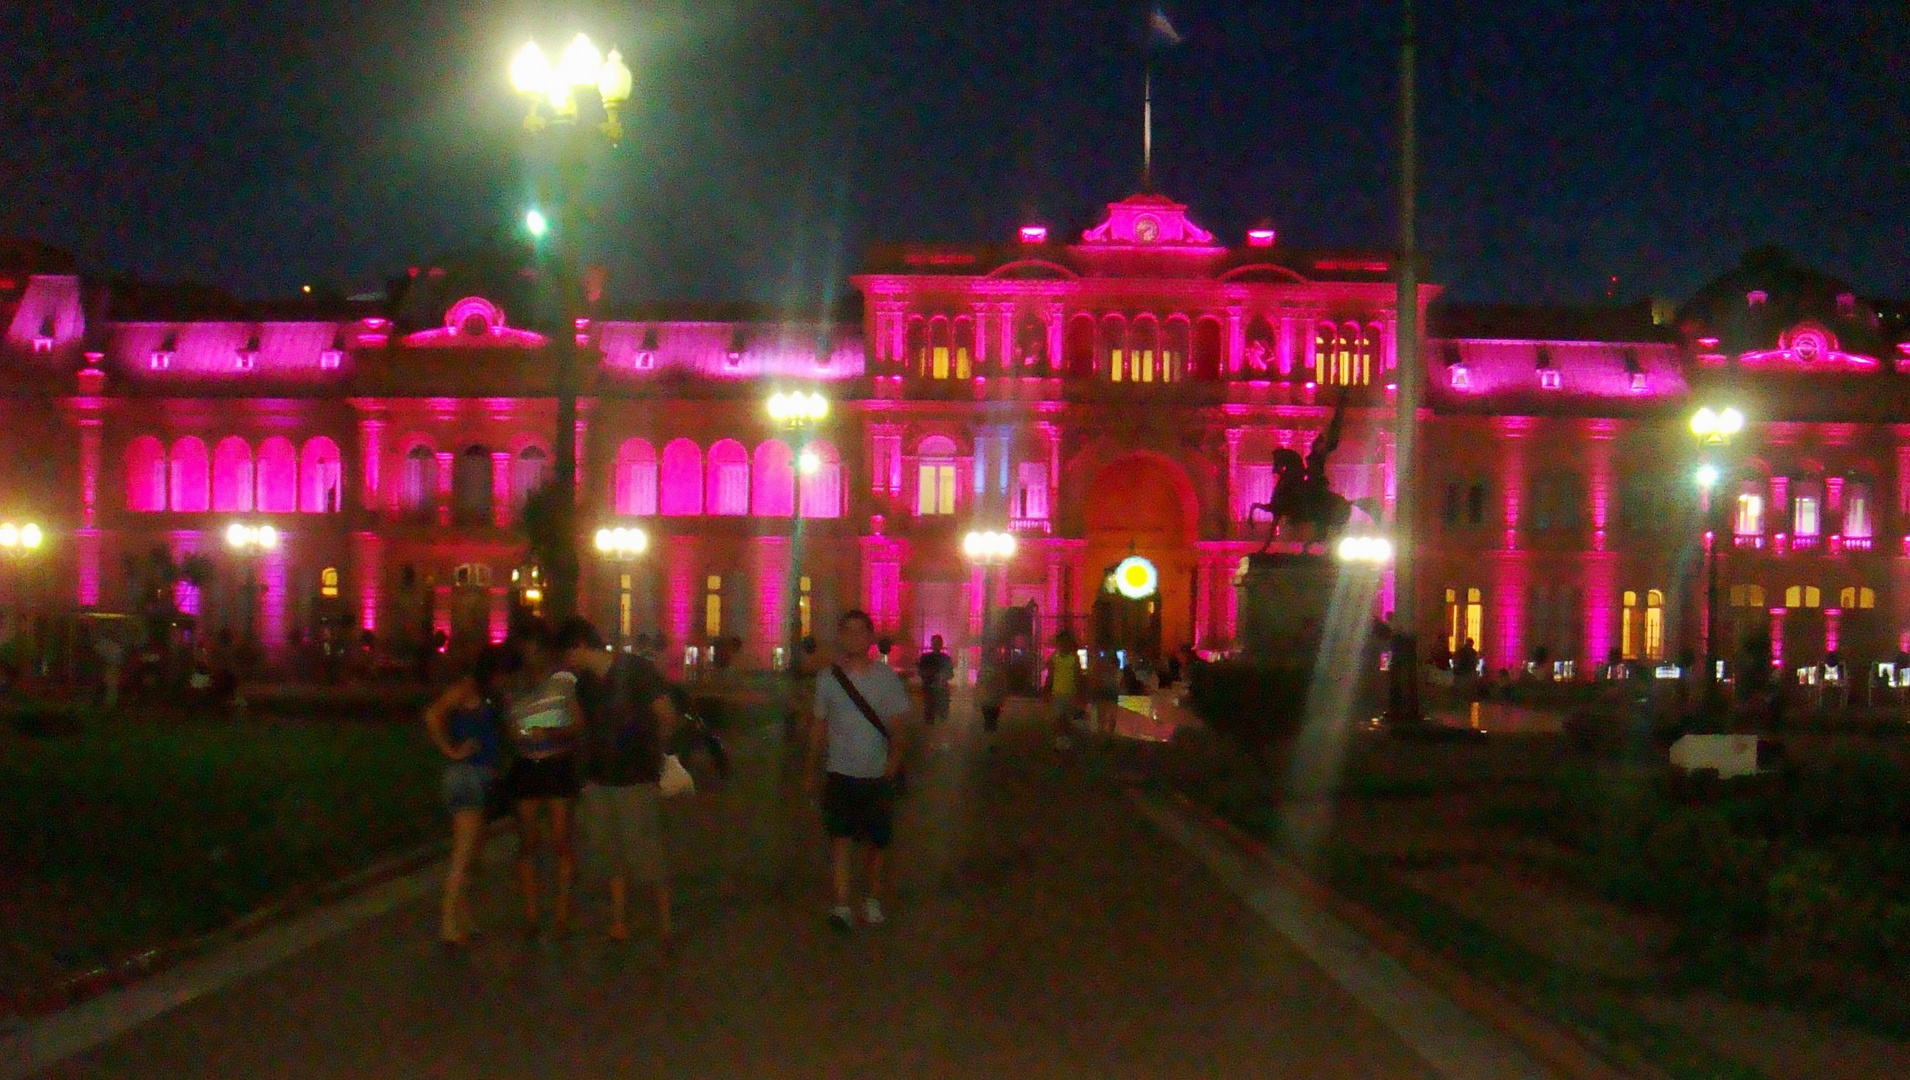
1283, 601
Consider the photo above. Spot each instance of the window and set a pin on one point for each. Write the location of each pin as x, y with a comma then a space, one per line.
624, 607
1345, 355
470, 487
1556, 500
1465, 619
1806, 505
935, 477
1641, 630
1751, 596
822, 486
187, 476
1750, 520
1465, 504
145, 475
321, 476
728, 478
529, 471
1857, 512
1856, 598
1476, 503
636, 479
1256, 487
1031, 491
772, 483
1803, 596
232, 476
682, 494
278, 476
713, 606
417, 486
328, 582
804, 606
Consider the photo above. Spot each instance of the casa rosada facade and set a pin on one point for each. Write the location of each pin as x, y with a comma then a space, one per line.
1118, 395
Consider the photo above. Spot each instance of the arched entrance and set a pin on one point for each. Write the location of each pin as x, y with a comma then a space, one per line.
1140, 504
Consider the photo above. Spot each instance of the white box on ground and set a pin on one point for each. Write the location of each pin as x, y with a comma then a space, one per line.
1730, 755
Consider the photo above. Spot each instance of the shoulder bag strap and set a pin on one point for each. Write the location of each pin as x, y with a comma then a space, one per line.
861, 703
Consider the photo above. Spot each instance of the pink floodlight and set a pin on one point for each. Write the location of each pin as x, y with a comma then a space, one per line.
1260, 238
1034, 234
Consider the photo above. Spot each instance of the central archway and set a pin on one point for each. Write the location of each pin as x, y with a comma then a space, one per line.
1140, 503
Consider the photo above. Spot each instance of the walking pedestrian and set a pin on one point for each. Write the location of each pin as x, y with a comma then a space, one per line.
936, 669
860, 707
542, 784
1064, 688
628, 719
465, 724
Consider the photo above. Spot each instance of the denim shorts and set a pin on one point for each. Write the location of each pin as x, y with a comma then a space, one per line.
467, 786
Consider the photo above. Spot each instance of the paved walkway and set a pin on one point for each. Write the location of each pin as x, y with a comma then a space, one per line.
1046, 926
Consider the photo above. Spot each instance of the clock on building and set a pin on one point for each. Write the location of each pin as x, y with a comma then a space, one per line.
1146, 229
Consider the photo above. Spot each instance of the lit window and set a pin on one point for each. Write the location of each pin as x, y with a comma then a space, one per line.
803, 605
1857, 512
328, 582
713, 606
1464, 621
1750, 514
1804, 516
936, 488
1654, 625
1031, 496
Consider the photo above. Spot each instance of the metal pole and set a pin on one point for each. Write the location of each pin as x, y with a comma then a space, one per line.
1404, 704
1147, 131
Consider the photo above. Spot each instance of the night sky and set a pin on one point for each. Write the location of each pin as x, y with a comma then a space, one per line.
267, 144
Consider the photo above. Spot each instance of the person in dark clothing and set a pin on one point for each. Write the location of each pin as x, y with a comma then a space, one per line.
629, 718
936, 670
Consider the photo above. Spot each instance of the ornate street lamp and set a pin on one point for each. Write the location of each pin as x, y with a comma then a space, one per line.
250, 542
1714, 429
18, 543
797, 413
988, 550
552, 91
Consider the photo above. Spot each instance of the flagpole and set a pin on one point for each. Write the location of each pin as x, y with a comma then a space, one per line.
1147, 130
1404, 706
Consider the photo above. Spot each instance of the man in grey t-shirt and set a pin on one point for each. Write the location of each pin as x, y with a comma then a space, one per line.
858, 794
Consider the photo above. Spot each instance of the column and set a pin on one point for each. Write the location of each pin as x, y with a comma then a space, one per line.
1006, 313
87, 538
1230, 484
1236, 340
1511, 431
1057, 338
769, 573
368, 570
501, 488
981, 336
371, 434
1601, 606
1600, 486
445, 460
1777, 638
500, 614
1286, 353
1778, 515
272, 578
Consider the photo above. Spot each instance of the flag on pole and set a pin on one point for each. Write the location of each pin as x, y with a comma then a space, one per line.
1160, 30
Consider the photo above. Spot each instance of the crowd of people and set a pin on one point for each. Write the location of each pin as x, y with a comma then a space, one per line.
574, 740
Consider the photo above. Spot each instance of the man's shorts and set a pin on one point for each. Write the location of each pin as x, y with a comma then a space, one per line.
859, 808
623, 830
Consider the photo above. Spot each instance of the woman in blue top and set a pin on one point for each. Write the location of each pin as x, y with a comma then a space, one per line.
465, 723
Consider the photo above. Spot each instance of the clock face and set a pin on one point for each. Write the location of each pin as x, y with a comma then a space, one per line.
1146, 229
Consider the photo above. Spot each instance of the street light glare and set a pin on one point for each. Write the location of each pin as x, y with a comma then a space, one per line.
268, 537
778, 407
582, 65
235, 534
1730, 422
534, 221
9, 536
818, 406
614, 84
604, 540
530, 70
30, 536
1704, 422
808, 462
1707, 476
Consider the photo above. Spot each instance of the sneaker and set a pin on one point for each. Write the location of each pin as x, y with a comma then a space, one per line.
872, 912
842, 918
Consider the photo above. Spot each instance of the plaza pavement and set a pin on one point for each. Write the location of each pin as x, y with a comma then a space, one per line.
1047, 923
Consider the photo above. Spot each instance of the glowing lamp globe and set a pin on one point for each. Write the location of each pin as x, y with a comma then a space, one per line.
808, 462
236, 534
581, 65
1136, 578
614, 83
9, 536
268, 537
530, 71
30, 536
1707, 476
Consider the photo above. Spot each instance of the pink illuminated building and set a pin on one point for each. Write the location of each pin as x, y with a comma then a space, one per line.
1111, 392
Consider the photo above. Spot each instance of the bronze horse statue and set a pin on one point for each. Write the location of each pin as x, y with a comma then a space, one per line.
1301, 493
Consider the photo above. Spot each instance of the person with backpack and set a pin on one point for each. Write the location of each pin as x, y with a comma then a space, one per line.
860, 706
629, 717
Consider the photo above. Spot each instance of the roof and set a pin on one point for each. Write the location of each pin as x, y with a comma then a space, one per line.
1523, 322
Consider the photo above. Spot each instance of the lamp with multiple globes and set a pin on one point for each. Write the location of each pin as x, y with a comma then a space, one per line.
251, 539
1376, 550
797, 412
1714, 429
581, 68
621, 543
1715, 426
19, 540
989, 546
797, 408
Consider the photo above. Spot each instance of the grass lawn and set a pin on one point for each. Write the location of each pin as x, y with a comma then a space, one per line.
1433, 838
135, 833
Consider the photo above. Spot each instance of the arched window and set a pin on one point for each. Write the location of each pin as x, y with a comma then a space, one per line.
1326, 353
187, 480
471, 493
729, 478
1857, 512
962, 334
773, 482
822, 486
321, 477
1654, 624
1078, 345
529, 471
328, 582
278, 476
935, 476
417, 485
940, 349
1803, 596
1175, 342
1031, 346
1807, 510
1856, 598
232, 476
1259, 356
636, 493
1750, 517
682, 494
1206, 359
916, 345
145, 475
1144, 351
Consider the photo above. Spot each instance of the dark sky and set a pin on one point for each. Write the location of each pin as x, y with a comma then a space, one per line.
265, 144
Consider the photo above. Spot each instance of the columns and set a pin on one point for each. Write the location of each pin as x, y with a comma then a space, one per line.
980, 309
1601, 605
1287, 355
272, 575
1599, 489
445, 460
371, 435
1511, 431
1057, 338
1236, 340
87, 537
1005, 311
501, 488
1230, 484
368, 570
769, 571
1777, 638
1777, 516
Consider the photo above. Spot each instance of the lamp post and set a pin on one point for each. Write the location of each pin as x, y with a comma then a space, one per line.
20, 543
554, 89
622, 546
988, 550
1402, 705
797, 413
1713, 429
249, 542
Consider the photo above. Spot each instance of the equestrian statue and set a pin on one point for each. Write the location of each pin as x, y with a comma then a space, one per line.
1302, 496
